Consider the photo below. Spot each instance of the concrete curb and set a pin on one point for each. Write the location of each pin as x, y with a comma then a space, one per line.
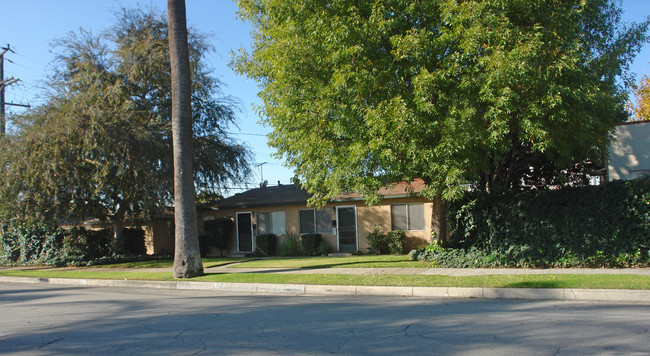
613, 295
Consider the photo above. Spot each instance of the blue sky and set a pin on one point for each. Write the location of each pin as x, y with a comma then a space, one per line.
30, 25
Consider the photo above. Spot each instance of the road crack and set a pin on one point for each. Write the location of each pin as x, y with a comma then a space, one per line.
50, 343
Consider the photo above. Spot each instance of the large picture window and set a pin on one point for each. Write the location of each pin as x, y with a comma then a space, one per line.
271, 223
405, 217
316, 221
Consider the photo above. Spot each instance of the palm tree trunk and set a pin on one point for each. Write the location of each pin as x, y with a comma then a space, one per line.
187, 257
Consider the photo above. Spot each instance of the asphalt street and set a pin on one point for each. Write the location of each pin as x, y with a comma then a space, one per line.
42, 319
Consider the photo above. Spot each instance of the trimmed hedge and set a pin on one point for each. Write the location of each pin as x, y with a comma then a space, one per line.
605, 225
309, 244
134, 241
217, 234
266, 244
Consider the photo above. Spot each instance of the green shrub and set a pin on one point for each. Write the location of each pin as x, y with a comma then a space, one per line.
592, 226
289, 246
218, 233
86, 245
266, 244
378, 241
395, 242
323, 248
309, 244
134, 242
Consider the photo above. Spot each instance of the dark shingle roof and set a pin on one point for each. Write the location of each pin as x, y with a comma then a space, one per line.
292, 195
268, 196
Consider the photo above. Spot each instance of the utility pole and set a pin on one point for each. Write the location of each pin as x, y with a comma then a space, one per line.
3, 84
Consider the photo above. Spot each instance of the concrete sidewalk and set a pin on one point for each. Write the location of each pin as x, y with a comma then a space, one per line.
636, 296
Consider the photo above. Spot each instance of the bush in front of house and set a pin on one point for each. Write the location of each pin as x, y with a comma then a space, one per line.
377, 241
323, 248
217, 234
289, 245
592, 226
81, 245
383, 243
134, 242
266, 244
395, 242
309, 244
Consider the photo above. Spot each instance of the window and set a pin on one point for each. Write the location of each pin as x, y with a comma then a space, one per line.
271, 223
407, 217
315, 221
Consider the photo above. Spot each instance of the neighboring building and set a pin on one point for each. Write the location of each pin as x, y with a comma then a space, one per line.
158, 232
344, 222
629, 153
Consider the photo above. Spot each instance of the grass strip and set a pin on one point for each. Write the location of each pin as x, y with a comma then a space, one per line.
367, 261
602, 281
207, 263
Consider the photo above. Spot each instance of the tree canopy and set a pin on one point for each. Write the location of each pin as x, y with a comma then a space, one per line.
364, 93
641, 110
101, 145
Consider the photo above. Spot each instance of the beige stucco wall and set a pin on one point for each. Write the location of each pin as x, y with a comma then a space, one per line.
629, 153
158, 239
367, 218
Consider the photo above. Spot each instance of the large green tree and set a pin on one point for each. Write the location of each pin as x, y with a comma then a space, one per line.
101, 145
364, 93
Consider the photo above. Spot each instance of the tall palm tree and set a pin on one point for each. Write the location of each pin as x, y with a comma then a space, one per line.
187, 257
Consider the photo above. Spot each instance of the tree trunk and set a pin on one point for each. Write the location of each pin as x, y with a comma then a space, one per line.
118, 235
439, 219
187, 257
117, 220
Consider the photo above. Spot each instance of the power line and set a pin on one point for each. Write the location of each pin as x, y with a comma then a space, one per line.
28, 58
245, 134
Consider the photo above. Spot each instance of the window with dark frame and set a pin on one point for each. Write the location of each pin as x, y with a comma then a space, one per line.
317, 221
406, 217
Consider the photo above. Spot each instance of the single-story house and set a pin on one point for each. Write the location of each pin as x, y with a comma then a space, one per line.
344, 222
158, 231
629, 152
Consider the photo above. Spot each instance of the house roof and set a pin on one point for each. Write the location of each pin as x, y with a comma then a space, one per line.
291, 195
401, 189
265, 196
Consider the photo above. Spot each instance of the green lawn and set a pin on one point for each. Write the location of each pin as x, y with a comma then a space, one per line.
207, 262
495, 281
365, 261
